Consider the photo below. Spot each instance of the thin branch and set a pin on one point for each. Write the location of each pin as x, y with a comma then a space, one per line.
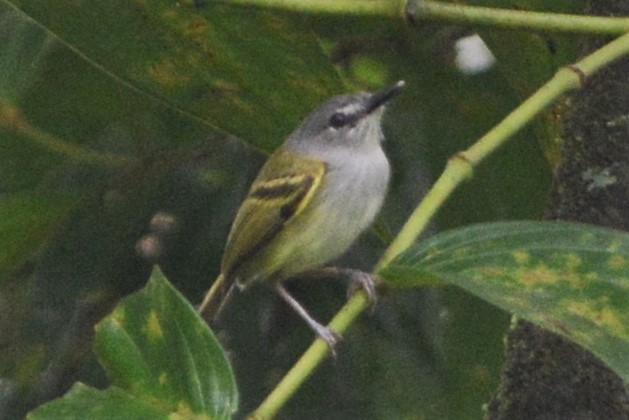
516, 19
392, 8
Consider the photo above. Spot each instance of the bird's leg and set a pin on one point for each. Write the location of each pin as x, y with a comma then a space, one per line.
331, 337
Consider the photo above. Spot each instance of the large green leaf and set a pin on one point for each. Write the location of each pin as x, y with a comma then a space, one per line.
569, 278
247, 72
162, 359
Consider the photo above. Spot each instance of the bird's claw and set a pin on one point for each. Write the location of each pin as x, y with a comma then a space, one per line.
360, 280
331, 338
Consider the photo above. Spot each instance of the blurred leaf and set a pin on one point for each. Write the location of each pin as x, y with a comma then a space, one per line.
530, 58
161, 357
27, 221
571, 279
247, 72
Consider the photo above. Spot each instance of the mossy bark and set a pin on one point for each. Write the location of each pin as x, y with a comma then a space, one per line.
547, 376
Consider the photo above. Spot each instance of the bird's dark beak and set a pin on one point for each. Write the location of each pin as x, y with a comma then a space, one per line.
377, 99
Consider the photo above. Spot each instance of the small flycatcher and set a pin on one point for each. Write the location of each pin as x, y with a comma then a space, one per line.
311, 200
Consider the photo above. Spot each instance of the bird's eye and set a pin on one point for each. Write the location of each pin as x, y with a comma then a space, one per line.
338, 120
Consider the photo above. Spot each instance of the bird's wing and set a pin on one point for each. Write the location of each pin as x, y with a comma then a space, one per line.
283, 189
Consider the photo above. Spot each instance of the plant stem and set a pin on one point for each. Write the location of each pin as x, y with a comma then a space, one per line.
12, 120
429, 10
459, 168
391, 8
516, 19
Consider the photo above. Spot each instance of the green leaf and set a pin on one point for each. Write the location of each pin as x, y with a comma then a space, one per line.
83, 402
161, 357
569, 278
247, 72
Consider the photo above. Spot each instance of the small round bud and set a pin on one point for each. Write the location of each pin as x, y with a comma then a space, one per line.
163, 222
149, 247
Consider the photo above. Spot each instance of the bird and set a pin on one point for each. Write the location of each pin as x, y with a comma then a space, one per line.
309, 202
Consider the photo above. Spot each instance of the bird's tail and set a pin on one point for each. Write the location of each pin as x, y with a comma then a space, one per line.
215, 299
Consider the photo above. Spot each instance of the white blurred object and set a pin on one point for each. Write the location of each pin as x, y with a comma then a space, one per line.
472, 55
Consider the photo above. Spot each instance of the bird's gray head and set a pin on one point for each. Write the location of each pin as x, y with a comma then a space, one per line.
345, 121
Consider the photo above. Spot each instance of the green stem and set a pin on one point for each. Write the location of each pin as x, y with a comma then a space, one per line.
458, 169
11, 119
455, 13
516, 19
391, 8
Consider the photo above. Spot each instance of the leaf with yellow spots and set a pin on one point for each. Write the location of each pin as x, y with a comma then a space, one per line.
163, 360
572, 279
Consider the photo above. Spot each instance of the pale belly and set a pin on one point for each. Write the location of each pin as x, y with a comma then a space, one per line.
333, 222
